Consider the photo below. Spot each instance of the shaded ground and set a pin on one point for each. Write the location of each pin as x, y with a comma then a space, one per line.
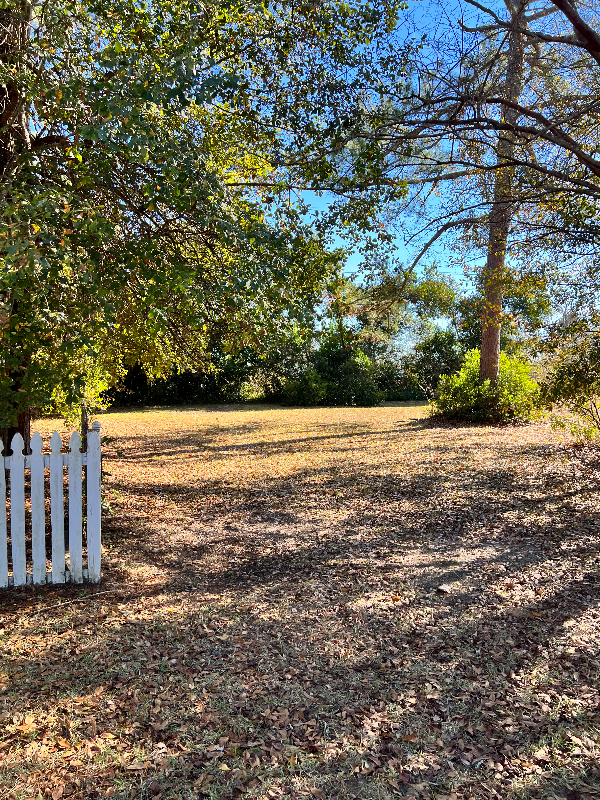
271, 624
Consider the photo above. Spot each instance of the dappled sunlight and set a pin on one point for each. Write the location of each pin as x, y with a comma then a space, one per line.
336, 603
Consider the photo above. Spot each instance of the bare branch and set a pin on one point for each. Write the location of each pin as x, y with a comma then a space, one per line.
451, 224
589, 39
487, 11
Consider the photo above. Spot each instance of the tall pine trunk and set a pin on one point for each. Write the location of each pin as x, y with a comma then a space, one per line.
502, 211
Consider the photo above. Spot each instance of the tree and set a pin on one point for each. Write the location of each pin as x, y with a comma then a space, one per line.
500, 109
574, 382
439, 353
527, 309
127, 225
495, 89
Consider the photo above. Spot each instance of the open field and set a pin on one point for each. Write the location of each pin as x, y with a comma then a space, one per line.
333, 603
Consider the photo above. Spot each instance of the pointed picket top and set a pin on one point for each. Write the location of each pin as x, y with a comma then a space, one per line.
56, 443
75, 441
36, 443
17, 446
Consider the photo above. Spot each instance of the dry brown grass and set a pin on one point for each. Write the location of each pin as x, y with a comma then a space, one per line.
270, 622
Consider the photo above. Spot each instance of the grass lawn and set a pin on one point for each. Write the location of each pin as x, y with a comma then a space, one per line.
329, 603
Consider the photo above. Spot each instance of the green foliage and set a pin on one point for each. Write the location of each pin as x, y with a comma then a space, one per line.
337, 373
574, 385
392, 298
515, 399
127, 225
227, 373
389, 375
181, 388
526, 305
354, 384
308, 389
438, 354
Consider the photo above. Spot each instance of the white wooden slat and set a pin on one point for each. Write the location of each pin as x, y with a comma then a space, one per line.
3, 531
75, 511
46, 461
94, 544
38, 510
49, 577
57, 512
36, 462
17, 510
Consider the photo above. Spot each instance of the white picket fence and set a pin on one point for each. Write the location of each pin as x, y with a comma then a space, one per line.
37, 463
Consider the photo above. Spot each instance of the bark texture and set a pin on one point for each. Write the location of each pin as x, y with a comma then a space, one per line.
503, 208
15, 24
14, 130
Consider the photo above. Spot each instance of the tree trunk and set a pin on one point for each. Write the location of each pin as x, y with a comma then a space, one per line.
493, 290
23, 427
502, 211
14, 128
85, 426
15, 25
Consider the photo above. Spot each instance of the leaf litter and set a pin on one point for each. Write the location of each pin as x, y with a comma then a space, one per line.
335, 603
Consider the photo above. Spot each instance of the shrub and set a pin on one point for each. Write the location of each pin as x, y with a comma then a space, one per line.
309, 389
354, 384
574, 384
462, 396
439, 354
349, 382
393, 381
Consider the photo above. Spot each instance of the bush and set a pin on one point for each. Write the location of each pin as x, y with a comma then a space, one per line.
393, 381
309, 389
348, 381
574, 384
354, 384
439, 354
462, 396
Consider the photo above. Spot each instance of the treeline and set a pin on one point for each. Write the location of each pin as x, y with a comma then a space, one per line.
354, 360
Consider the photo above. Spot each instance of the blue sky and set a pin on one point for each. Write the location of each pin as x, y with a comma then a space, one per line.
437, 253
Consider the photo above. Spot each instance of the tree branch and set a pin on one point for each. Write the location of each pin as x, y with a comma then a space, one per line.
588, 38
452, 224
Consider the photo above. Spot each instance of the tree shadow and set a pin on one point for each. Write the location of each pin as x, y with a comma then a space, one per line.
362, 635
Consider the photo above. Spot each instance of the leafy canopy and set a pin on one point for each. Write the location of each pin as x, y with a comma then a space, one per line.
128, 228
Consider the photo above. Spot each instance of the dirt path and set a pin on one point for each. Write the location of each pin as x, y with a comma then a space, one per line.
338, 603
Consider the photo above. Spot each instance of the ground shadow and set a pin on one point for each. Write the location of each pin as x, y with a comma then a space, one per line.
352, 635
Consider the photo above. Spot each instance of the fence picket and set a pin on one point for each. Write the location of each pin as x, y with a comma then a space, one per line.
38, 510
57, 509
17, 510
3, 531
17, 463
93, 486
75, 511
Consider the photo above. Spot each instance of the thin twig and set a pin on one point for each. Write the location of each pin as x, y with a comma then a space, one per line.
70, 602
